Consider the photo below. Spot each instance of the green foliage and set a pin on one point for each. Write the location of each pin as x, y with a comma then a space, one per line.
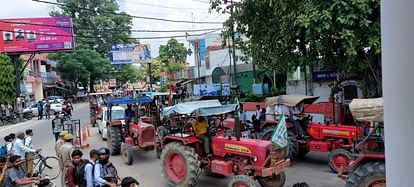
250, 97
163, 88
155, 70
342, 35
7, 80
128, 72
174, 67
101, 28
82, 66
173, 51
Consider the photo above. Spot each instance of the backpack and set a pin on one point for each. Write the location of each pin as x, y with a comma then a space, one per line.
3, 150
110, 174
79, 174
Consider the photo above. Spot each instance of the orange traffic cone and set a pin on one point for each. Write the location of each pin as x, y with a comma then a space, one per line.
77, 144
83, 133
87, 129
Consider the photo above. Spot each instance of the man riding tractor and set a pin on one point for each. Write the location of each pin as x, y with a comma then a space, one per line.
187, 149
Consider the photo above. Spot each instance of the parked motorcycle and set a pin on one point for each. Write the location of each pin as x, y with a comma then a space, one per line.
28, 115
8, 119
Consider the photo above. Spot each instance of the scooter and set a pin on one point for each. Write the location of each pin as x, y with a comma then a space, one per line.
28, 115
9, 119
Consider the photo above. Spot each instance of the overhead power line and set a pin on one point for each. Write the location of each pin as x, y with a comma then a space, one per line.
125, 38
91, 28
132, 16
160, 6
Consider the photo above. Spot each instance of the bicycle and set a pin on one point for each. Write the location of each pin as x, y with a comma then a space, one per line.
44, 167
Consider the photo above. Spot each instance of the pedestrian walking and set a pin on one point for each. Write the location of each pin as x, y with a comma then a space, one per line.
47, 109
66, 149
39, 110
9, 145
57, 125
28, 138
105, 172
16, 177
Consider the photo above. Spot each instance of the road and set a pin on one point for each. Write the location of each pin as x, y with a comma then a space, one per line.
313, 169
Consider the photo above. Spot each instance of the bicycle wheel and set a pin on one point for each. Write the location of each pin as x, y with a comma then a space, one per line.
50, 167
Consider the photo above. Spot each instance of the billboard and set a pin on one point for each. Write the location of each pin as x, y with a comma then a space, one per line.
129, 53
36, 34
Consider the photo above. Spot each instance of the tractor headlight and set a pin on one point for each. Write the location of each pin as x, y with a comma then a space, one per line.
253, 158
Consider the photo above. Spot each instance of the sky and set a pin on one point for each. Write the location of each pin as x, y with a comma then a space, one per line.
167, 9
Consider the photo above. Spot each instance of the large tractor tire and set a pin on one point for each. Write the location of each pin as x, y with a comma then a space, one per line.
180, 166
114, 139
242, 181
339, 158
273, 181
368, 174
293, 146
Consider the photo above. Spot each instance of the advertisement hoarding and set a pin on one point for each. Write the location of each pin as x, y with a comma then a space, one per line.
36, 34
112, 83
129, 53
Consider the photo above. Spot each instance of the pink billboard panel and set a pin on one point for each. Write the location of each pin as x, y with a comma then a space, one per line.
36, 34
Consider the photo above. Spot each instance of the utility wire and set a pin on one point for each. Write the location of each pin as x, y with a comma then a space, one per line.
159, 6
90, 28
100, 37
132, 16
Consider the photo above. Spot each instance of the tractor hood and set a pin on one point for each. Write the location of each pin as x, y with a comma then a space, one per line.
222, 146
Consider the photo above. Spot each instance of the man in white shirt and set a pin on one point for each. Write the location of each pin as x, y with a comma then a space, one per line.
28, 138
258, 112
19, 148
242, 115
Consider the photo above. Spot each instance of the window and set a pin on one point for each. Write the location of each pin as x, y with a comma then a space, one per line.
350, 92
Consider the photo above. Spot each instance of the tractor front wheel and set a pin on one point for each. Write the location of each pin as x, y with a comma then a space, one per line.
114, 139
293, 146
180, 166
370, 174
339, 158
127, 154
242, 181
273, 181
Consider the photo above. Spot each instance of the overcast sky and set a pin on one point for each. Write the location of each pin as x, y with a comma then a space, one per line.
168, 9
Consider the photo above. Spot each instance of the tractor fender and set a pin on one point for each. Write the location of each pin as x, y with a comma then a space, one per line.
362, 158
183, 140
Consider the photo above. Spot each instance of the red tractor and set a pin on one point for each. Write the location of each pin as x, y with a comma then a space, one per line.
183, 156
336, 139
368, 169
95, 103
125, 138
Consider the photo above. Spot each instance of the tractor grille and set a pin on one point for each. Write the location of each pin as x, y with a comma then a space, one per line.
148, 136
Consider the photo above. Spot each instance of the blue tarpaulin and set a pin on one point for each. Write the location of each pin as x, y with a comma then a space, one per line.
204, 108
128, 100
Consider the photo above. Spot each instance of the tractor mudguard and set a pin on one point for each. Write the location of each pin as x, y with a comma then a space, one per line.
364, 158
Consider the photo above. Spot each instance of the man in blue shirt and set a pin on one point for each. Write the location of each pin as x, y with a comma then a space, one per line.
89, 168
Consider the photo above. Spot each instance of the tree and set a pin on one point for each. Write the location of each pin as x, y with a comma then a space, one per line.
83, 65
97, 29
128, 72
173, 52
155, 70
7, 80
342, 35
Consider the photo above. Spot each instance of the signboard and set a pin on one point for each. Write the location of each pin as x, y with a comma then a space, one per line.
112, 82
325, 75
206, 89
129, 53
225, 89
36, 34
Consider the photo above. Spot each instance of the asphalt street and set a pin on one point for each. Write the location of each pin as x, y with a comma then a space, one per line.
312, 169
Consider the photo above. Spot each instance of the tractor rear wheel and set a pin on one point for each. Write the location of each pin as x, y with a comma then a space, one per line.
273, 181
339, 158
293, 146
369, 174
242, 181
127, 154
114, 139
180, 166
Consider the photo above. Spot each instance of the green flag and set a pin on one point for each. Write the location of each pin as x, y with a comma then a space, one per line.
279, 136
